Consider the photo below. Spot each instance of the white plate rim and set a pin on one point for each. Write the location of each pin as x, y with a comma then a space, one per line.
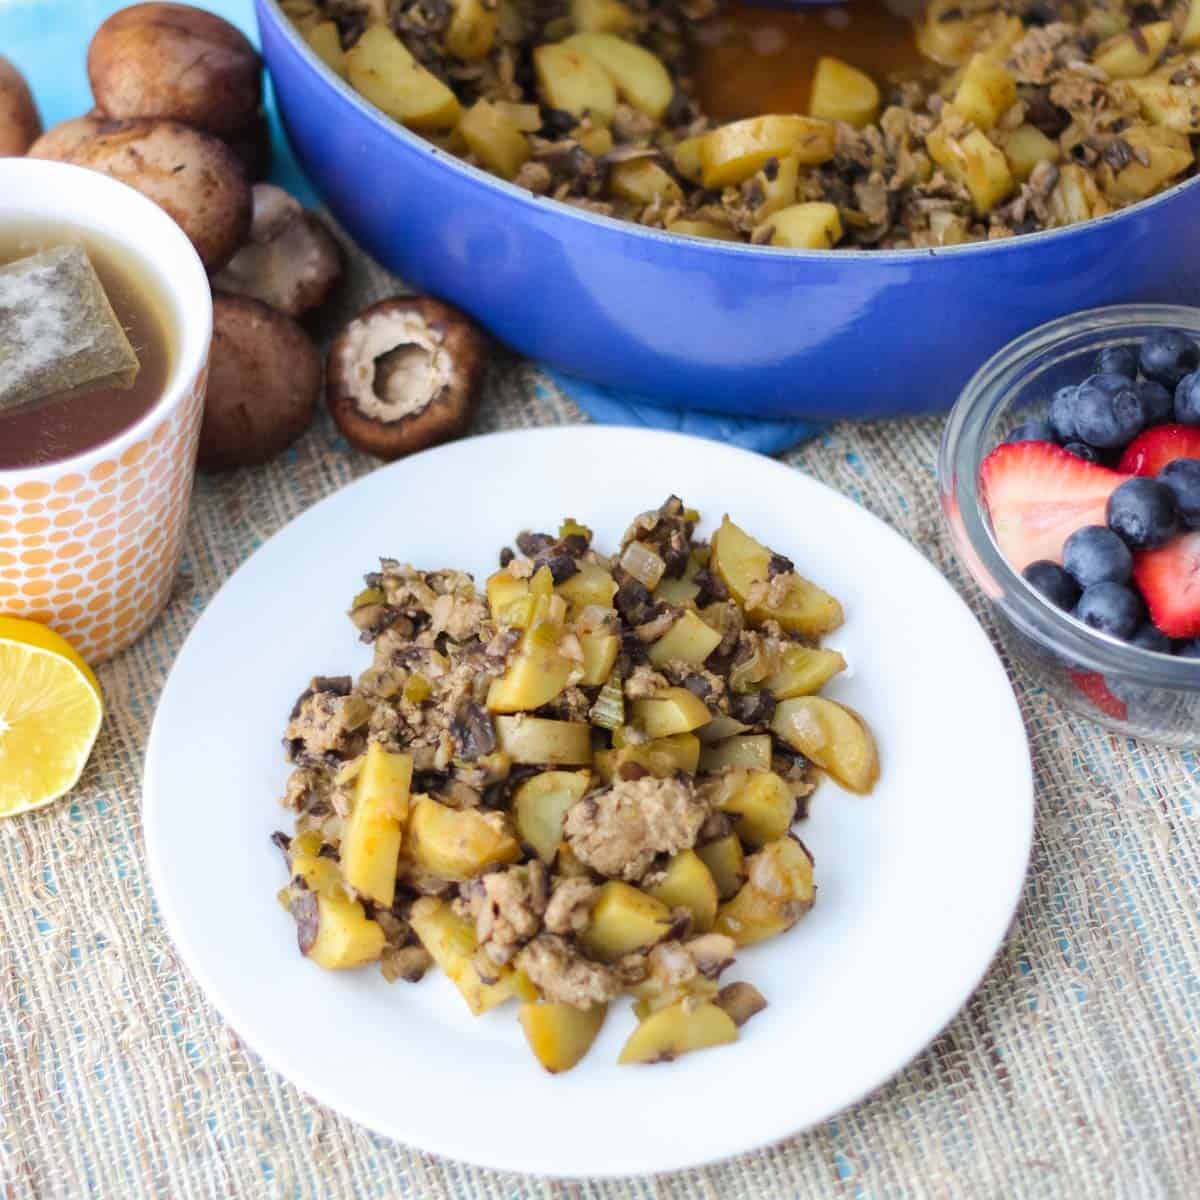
460, 1149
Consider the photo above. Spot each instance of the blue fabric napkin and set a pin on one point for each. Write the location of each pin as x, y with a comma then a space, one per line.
608, 407
47, 39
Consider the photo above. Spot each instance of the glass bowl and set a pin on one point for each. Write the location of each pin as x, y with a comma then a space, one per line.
1126, 689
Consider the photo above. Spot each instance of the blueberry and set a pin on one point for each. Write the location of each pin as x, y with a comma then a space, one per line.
1183, 478
1111, 608
1062, 413
1082, 450
1143, 512
1189, 649
1157, 402
1118, 360
1167, 356
1187, 400
1033, 431
1094, 555
1053, 582
1108, 381
1107, 418
1150, 637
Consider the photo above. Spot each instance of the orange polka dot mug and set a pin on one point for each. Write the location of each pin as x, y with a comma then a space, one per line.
90, 544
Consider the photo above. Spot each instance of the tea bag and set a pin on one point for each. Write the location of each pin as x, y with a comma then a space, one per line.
57, 329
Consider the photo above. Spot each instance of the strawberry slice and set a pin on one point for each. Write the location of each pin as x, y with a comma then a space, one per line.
1169, 579
1149, 452
1096, 690
1038, 495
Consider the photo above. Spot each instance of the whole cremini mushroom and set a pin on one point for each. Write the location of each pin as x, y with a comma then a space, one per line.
192, 175
60, 141
404, 375
252, 147
19, 120
177, 62
291, 261
264, 380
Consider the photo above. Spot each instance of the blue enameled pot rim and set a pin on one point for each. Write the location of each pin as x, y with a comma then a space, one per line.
481, 178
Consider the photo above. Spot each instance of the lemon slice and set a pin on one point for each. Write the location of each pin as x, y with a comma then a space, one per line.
50, 714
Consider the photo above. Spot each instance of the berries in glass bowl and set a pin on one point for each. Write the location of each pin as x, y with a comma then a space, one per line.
1070, 477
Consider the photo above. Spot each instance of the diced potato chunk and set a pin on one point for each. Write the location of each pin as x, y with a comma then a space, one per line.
778, 891
1025, 147
683, 591
559, 1034
371, 843
949, 37
1177, 106
986, 93
841, 92
382, 69
764, 807
1133, 53
661, 757
345, 936
638, 75
720, 728
686, 157
600, 652
575, 82
803, 671
472, 29
643, 181
535, 675
1189, 36
751, 751
591, 585
831, 736
321, 875
673, 710
732, 153
689, 640
742, 563
813, 225
325, 40
451, 944
457, 844
624, 919
666, 1034
601, 16
542, 742
540, 804
503, 591
973, 159
597, 141
525, 117
1158, 156
494, 140
725, 861
688, 883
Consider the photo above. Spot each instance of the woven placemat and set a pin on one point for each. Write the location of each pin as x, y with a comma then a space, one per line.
1073, 1072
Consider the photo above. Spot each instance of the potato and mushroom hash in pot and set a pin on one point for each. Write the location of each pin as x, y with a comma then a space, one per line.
1020, 115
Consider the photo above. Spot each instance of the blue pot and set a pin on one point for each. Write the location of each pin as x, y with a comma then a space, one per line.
704, 324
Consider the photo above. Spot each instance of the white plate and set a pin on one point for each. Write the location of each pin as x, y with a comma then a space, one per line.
916, 883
